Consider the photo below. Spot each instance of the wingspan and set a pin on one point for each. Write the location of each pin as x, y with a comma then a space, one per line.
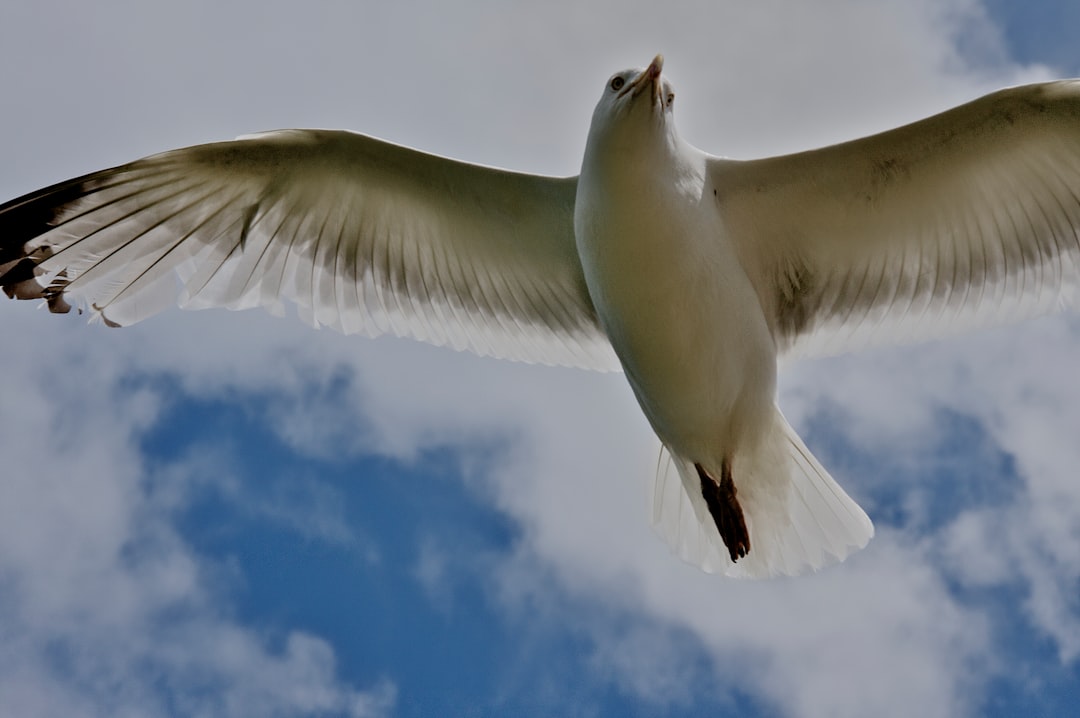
362, 235
966, 219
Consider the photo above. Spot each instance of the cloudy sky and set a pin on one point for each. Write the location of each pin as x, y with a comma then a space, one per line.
227, 514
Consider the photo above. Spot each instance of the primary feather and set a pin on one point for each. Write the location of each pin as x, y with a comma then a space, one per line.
962, 220
364, 236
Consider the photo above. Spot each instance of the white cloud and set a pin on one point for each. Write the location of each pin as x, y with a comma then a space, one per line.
1019, 385
105, 610
831, 645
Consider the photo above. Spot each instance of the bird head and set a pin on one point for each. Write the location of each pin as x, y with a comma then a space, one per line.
634, 102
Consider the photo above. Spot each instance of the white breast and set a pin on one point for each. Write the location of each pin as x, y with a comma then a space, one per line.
681, 314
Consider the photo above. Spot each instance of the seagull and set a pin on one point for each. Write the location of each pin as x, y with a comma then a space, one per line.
692, 273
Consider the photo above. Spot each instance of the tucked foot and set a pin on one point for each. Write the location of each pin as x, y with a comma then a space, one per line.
726, 512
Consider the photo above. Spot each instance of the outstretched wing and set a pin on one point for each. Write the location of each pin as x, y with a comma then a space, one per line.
965, 219
362, 235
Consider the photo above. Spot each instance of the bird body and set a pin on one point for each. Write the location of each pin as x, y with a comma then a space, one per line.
670, 295
690, 272
686, 323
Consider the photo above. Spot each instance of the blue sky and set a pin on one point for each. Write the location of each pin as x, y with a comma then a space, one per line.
228, 514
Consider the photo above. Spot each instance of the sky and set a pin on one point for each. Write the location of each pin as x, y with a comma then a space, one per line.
227, 514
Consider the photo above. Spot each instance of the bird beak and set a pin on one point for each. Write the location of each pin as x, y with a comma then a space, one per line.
647, 79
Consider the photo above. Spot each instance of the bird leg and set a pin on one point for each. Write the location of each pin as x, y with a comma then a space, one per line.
726, 512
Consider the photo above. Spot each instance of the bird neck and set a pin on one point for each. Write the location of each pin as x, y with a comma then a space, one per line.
631, 150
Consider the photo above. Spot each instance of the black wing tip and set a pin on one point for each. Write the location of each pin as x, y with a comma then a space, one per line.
23, 220
22, 270
20, 280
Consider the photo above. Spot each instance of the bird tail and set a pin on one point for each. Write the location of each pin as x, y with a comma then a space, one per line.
798, 517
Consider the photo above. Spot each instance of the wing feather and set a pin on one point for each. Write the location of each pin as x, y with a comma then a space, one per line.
361, 235
965, 219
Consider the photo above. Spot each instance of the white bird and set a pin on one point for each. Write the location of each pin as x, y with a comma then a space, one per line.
691, 272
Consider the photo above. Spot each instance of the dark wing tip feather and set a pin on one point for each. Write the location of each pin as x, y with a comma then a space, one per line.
22, 270
19, 282
22, 220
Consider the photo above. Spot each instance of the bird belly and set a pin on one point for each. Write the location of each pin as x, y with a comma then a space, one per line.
689, 330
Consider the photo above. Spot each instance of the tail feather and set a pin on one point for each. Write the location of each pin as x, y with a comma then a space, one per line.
799, 518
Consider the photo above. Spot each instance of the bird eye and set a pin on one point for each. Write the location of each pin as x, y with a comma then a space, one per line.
617, 83
670, 98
